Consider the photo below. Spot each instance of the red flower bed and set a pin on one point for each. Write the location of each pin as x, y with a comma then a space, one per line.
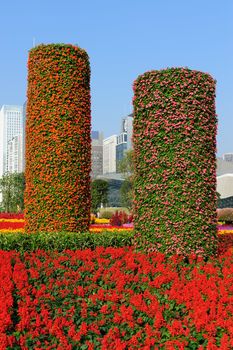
6, 299
11, 216
10, 225
225, 243
115, 298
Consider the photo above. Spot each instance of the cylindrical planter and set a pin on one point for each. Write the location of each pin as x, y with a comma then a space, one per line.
174, 140
58, 142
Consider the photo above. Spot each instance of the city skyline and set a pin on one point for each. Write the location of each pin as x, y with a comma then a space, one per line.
124, 40
106, 153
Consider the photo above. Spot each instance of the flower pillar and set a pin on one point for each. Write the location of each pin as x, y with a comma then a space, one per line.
175, 163
58, 143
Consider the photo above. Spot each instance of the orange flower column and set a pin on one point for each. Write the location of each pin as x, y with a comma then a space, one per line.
58, 143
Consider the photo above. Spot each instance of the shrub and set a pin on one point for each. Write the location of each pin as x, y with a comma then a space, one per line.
115, 219
92, 219
130, 218
58, 143
175, 164
226, 215
123, 217
120, 218
113, 210
106, 214
59, 241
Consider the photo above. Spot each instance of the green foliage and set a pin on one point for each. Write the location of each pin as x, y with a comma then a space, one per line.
106, 214
112, 210
59, 241
126, 192
225, 215
12, 187
99, 194
126, 167
175, 161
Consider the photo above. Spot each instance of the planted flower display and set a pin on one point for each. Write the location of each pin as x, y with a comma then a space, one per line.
174, 140
71, 281
58, 141
114, 298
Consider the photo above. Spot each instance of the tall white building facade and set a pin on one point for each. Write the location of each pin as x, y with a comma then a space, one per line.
24, 136
11, 131
228, 157
96, 153
124, 139
109, 154
15, 155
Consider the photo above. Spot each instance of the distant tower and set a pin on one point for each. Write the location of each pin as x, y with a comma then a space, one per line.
109, 154
24, 134
15, 155
96, 153
124, 139
11, 126
228, 157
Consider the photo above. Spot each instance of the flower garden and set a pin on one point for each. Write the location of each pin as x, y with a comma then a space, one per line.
111, 297
164, 282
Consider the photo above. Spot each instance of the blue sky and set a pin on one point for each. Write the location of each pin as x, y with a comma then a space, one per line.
124, 38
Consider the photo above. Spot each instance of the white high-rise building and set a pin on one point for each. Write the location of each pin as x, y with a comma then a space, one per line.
11, 125
109, 154
124, 139
15, 155
96, 153
24, 135
228, 157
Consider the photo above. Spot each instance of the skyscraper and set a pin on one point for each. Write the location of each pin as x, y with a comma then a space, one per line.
124, 139
24, 135
11, 125
96, 153
228, 157
15, 154
109, 154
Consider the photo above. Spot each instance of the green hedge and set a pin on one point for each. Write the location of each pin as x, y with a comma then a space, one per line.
175, 163
58, 141
60, 241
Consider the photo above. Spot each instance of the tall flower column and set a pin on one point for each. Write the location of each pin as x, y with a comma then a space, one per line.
58, 143
175, 163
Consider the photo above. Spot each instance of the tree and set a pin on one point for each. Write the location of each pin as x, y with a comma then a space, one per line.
12, 187
19, 188
126, 166
126, 194
99, 194
127, 169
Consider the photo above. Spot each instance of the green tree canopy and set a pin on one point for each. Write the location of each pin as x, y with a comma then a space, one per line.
12, 187
99, 194
126, 167
126, 194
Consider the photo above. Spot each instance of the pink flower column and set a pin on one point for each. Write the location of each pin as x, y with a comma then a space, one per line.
175, 162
